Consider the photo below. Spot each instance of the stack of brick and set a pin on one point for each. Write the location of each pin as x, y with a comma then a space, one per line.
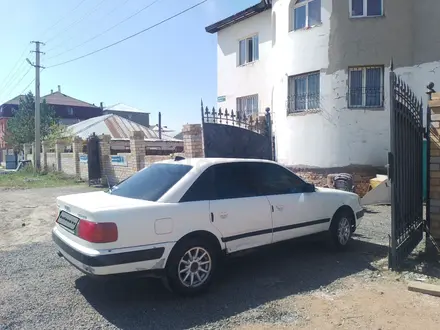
434, 180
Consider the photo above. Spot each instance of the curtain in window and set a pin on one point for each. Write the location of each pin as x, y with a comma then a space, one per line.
300, 93
242, 52
250, 50
255, 47
313, 96
374, 7
372, 87
357, 7
314, 12
300, 18
355, 87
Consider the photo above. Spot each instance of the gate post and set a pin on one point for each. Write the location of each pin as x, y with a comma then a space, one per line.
59, 148
76, 149
45, 146
192, 141
433, 203
137, 148
104, 153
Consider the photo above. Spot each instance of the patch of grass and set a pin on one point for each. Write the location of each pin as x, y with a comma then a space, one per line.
28, 178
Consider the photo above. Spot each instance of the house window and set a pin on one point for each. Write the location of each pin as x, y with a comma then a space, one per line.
248, 50
366, 8
304, 14
304, 92
248, 105
70, 111
365, 86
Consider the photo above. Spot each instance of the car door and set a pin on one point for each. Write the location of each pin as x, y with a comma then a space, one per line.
296, 211
243, 218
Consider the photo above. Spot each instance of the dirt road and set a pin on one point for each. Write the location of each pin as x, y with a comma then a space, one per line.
295, 285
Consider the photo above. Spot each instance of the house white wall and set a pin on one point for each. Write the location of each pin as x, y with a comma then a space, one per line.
335, 136
237, 81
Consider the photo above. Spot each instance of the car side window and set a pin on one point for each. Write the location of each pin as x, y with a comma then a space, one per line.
276, 180
201, 189
234, 180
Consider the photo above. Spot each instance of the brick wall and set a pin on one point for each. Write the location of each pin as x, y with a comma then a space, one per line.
51, 161
70, 164
67, 163
434, 178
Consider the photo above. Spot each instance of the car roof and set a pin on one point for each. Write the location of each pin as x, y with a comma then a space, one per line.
206, 162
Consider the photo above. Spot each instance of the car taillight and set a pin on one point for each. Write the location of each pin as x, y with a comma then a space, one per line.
103, 232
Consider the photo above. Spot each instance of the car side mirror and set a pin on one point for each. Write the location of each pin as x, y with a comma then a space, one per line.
309, 187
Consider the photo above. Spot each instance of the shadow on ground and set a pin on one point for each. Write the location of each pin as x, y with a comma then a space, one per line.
246, 283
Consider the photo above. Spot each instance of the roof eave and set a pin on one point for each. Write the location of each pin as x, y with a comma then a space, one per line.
238, 17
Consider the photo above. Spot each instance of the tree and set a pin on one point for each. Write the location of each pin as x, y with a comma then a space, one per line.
21, 127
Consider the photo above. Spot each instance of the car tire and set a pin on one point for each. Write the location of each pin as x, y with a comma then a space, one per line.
190, 277
341, 229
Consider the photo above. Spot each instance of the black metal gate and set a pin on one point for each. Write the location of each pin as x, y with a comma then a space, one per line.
93, 160
235, 135
405, 171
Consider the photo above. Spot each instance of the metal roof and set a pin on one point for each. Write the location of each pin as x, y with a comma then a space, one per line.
124, 108
117, 127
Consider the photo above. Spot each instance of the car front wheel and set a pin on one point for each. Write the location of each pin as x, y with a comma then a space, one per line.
191, 267
342, 229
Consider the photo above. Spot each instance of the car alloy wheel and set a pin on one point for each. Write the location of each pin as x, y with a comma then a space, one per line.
344, 230
194, 267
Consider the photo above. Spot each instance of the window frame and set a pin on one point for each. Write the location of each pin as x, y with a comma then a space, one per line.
294, 5
244, 98
365, 10
255, 55
294, 78
364, 68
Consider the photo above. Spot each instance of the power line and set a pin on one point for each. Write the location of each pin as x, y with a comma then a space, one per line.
109, 29
63, 17
15, 86
24, 89
76, 22
108, 13
9, 76
131, 36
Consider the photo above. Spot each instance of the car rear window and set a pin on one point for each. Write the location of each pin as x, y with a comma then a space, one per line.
151, 183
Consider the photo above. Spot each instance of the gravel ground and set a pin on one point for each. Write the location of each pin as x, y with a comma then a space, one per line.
276, 287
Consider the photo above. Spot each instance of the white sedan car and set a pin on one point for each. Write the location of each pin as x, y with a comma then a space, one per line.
177, 218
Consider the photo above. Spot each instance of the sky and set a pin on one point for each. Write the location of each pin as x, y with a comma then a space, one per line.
169, 68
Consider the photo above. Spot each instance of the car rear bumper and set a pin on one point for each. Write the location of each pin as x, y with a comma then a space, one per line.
149, 259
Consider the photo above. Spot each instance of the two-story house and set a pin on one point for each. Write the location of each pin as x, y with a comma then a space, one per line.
68, 109
322, 66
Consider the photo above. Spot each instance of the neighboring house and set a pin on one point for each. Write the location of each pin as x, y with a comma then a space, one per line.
120, 129
130, 113
68, 109
322, 66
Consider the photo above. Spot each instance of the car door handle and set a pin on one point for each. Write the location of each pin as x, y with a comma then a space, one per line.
223, 215
280, 207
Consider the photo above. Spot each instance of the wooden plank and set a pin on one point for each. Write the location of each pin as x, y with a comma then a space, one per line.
431, 289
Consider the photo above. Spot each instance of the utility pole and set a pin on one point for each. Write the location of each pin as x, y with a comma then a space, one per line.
37, 66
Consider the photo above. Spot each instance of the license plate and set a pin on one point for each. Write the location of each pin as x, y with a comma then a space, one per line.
67, 220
